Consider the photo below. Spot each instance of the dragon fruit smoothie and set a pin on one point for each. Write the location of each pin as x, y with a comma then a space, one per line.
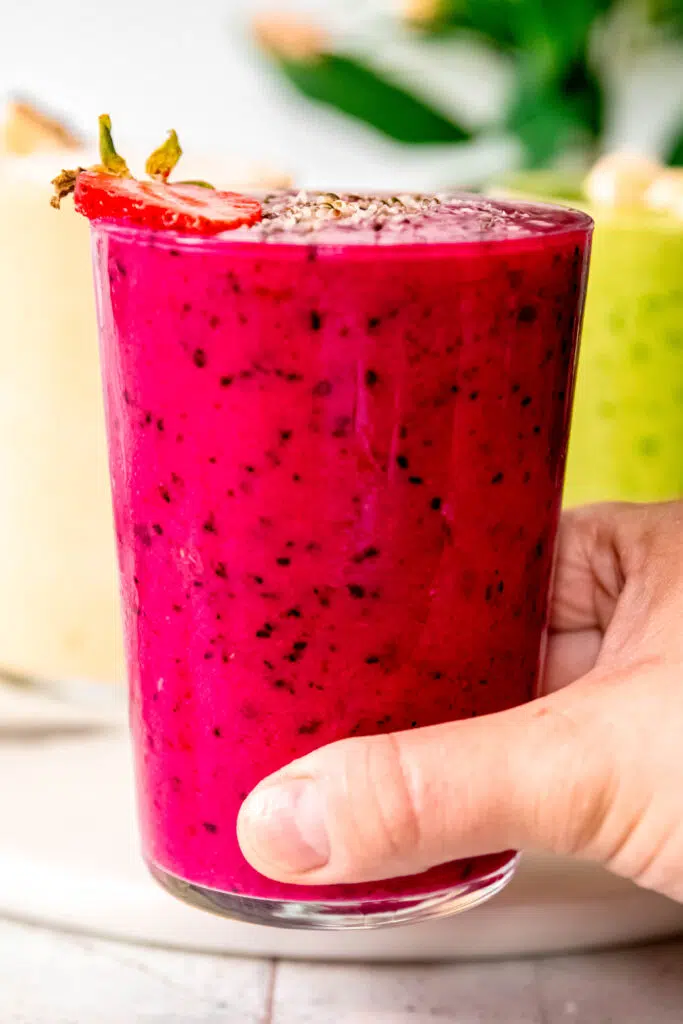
337, 447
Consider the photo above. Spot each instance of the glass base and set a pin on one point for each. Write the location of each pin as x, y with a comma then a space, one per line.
340, 914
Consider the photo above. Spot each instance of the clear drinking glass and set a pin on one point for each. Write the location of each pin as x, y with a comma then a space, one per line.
337, 464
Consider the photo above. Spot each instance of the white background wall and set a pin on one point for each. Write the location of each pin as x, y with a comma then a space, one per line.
154, 64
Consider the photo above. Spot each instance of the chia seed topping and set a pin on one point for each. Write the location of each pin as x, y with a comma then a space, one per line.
344, 218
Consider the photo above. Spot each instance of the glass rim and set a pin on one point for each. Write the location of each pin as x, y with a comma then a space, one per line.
577, 223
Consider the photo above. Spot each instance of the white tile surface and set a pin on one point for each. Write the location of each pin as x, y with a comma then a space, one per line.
48, 978
490, 993
637, 986
52, 978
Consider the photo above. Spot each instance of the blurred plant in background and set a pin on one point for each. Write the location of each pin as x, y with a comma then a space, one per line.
562, 57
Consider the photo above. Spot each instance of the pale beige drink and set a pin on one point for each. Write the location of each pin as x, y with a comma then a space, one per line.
59, 616
58, 591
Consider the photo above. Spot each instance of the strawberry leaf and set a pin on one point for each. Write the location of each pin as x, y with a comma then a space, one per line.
112, 163
162, 161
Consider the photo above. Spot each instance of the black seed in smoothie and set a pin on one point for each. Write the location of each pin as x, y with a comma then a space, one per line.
177, 608
258, 580
209, 525
374, 322
284, 561
187, 307
526, 401
217, 732
296, 478
199, 358
371, 378
473, 396
263, 634
536, 430
527, 315
488, 593
402, 461
197, 584
221, 571
141, 531
226, 382
436, 504
316, 320
527, 477
322, 389
210, 827
164, 495
501, 586
282, 684
417, 481
310, 728
158, 529
364, 555
539, 549
341, 426
249, 469
497, 478
372, 659
208, 655
293, 613
148, 418
285, 435
356, 591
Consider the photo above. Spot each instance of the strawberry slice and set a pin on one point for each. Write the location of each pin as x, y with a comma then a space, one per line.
191, 209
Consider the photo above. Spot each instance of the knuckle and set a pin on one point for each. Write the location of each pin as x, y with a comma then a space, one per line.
396, 818
573, 803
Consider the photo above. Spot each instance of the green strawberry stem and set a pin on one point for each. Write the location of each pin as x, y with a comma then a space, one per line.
112, 163
201, 184
159, 165
164, 159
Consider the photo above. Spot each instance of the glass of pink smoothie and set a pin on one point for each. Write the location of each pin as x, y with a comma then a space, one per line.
337, 446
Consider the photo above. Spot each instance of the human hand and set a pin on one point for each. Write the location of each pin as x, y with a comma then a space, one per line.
593, 768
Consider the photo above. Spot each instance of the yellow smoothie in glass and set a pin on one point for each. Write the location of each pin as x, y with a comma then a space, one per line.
627, 431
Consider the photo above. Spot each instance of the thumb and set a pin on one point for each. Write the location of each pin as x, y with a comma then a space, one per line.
391, 805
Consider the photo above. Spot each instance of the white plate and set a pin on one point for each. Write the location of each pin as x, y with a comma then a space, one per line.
69, 859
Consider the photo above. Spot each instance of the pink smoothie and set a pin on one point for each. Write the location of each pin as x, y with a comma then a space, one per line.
337, 453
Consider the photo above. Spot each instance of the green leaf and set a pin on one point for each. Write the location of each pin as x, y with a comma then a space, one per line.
551, 117
356, 90
556, 32
675, 157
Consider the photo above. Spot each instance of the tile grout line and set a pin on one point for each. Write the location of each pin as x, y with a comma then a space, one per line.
270, 993
540, 995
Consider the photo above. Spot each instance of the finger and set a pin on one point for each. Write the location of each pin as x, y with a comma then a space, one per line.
570, 656
589, 573
385, 806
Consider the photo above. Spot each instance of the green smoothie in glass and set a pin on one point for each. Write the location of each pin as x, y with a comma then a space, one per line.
627, 433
